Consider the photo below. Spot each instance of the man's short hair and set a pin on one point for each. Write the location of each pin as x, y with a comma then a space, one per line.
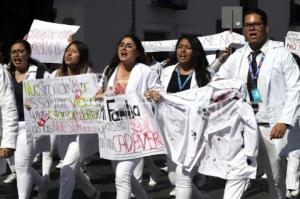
259, 12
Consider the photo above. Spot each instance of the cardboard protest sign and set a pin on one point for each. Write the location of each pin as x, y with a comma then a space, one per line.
62, 105
210, 43
49, 40
292, 42
131, 130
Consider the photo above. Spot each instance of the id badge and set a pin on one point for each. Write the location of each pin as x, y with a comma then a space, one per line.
256, 95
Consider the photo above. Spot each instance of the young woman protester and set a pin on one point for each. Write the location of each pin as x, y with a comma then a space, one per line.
188, 68
127, 74
185, 70
72, 148
22, 67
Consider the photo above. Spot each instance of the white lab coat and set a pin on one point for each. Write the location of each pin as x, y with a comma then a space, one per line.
224, 144
167, 72
141, 79
279, 78
8, 111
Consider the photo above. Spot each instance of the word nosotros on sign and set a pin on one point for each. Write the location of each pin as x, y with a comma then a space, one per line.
60, 88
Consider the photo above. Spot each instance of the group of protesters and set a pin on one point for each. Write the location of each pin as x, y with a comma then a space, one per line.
254, 132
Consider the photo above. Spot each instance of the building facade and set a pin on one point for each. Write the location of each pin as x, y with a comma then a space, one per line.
104, 22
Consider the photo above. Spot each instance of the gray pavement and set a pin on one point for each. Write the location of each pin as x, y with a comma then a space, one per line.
103, 178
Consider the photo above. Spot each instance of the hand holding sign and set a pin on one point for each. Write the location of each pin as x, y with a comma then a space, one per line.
100, 94
292, 42
152, 95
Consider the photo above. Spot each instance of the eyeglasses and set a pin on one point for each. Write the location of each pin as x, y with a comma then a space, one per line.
255, 25
128, 46
17, 51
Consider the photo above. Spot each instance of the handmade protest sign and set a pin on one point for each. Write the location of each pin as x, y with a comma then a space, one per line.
292, 42
62, 105
210, 42
131, 130
49, 40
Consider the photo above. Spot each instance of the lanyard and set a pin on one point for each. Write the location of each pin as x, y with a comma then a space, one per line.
180, 85
255, 76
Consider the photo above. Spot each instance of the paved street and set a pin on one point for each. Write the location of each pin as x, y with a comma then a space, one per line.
103, 178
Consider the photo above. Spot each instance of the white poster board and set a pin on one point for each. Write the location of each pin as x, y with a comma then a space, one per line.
131, 131
49, 40
62, 105
210, 43
292, 42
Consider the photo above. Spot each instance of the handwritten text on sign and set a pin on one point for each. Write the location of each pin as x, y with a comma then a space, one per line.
210, 42
49, 40
63, 105
136, 132
292, 42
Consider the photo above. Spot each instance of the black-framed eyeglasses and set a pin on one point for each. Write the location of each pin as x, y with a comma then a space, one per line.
128, 46
255, 25
17, 51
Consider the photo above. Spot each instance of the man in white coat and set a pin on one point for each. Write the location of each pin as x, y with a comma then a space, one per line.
8, 115
272, 78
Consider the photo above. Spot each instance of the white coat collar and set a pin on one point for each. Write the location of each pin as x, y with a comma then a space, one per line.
167, 74
193, 80
264, 49
265, 68
133, 80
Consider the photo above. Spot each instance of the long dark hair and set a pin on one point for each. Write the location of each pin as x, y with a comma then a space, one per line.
31, 61
83, 64
198, 59
115, 61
